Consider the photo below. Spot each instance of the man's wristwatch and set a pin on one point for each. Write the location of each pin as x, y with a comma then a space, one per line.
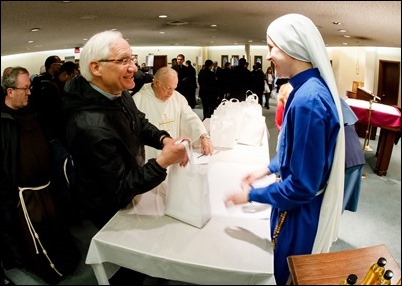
206, 136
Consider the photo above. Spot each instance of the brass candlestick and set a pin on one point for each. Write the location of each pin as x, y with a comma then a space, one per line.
366, 146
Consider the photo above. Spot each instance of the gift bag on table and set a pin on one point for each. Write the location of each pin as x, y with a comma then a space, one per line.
187, 197
225, 123
252, 122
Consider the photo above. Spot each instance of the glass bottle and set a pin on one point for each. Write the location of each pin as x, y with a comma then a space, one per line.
386, 278
351, 280
376, 271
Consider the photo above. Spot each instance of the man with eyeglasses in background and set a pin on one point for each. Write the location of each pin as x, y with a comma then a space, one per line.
4, 280
26, 202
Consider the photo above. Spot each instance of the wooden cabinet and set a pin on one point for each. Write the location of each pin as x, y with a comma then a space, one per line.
333, 267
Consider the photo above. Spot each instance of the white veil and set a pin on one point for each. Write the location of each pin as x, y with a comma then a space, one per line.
297, 36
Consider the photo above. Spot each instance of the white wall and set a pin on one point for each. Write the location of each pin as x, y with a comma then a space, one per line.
190, 53
349, 63
361, 64
33, 61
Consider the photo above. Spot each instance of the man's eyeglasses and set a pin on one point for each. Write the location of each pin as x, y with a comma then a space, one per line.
26, 89
123, 62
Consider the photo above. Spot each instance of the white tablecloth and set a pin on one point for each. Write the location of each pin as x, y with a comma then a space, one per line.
389, 109
232, 248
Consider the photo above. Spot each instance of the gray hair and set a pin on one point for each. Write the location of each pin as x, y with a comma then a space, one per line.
10, 79
98, 47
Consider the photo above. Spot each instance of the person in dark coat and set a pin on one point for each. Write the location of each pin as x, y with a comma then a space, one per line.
192, 84
258, 81
240, 81
32, 233
186, 81
4, 280
208, 89
354, 160
106, 133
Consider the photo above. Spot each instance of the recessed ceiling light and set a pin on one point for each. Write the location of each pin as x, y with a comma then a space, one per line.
342, 31
214, 25
346, 36
177, 23
30, 42
162, 16
35, 29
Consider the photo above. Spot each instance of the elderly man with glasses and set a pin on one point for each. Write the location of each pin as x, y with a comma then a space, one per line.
106, 133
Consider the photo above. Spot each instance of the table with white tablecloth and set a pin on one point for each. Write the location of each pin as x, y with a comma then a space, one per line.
234, 247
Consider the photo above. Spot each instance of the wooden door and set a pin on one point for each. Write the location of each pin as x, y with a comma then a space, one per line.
388, 82
159, 62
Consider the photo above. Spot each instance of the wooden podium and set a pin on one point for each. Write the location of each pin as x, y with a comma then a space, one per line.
333, 267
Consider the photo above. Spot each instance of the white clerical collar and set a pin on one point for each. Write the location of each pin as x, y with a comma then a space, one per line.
107, 94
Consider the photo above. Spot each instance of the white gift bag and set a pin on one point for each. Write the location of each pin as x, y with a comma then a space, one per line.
223, 130
187, 197
253, 122
225, 123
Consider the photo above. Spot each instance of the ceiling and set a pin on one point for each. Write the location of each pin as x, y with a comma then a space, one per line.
67, 25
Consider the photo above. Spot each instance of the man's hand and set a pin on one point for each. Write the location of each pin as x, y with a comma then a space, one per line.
207, 148
172, 153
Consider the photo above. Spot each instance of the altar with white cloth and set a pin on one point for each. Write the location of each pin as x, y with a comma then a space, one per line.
234, 247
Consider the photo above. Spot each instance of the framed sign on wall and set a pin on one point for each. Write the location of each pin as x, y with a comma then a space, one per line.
224, 60
234, 60
257, 59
